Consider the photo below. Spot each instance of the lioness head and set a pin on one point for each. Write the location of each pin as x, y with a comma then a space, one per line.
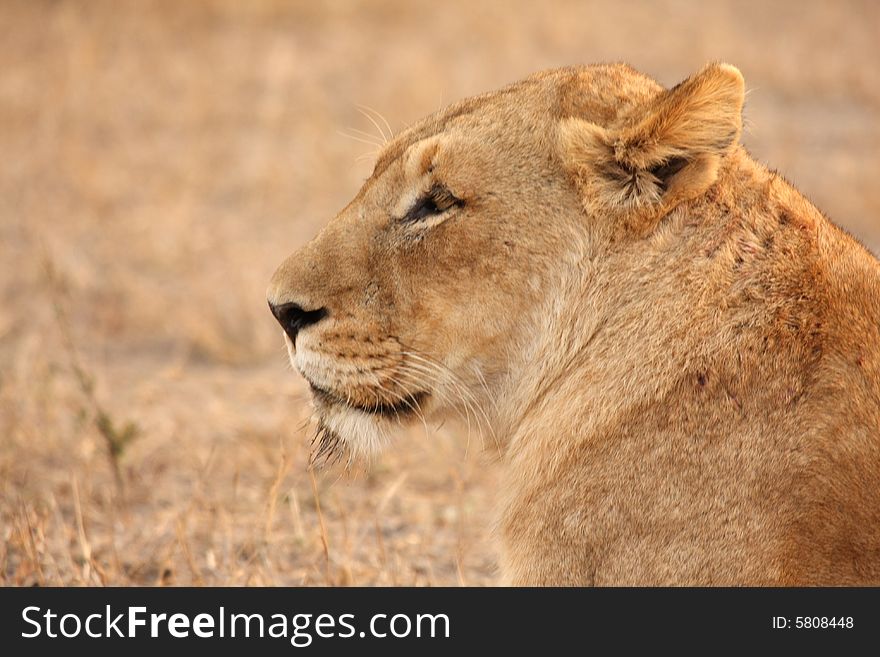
427, 295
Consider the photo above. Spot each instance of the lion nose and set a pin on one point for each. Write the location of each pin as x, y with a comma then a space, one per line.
293, 318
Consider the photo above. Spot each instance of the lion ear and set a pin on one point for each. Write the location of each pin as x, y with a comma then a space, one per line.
662, 152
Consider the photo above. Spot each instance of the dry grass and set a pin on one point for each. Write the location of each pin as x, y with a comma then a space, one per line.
160, 158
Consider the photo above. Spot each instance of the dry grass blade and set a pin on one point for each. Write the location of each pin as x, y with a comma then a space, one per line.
116, 438
284, 464
325, 544
85, 547
183, 542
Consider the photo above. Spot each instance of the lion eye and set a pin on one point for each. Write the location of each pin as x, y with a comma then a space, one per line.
436, 201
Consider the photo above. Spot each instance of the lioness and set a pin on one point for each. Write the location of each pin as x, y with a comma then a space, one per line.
678, 354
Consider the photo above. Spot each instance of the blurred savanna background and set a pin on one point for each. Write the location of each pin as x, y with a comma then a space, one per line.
158, 159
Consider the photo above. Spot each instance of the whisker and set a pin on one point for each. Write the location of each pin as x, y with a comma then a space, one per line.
366, 135
360, 139
412, 404
434, 367
430, 369
455, 381
446, 400
364, 109
419, 376
489, 396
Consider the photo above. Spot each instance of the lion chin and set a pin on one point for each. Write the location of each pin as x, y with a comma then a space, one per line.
346, 432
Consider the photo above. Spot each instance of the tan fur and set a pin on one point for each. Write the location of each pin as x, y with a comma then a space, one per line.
677, 353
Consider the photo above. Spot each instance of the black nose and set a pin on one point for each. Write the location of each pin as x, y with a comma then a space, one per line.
293, 318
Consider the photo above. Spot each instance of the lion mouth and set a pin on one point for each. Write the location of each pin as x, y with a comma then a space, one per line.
409, 404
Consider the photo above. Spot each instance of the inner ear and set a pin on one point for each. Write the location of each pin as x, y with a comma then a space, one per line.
665, 171
702, 115
663, 152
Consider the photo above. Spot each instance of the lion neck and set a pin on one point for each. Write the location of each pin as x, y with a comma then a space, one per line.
628, 322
